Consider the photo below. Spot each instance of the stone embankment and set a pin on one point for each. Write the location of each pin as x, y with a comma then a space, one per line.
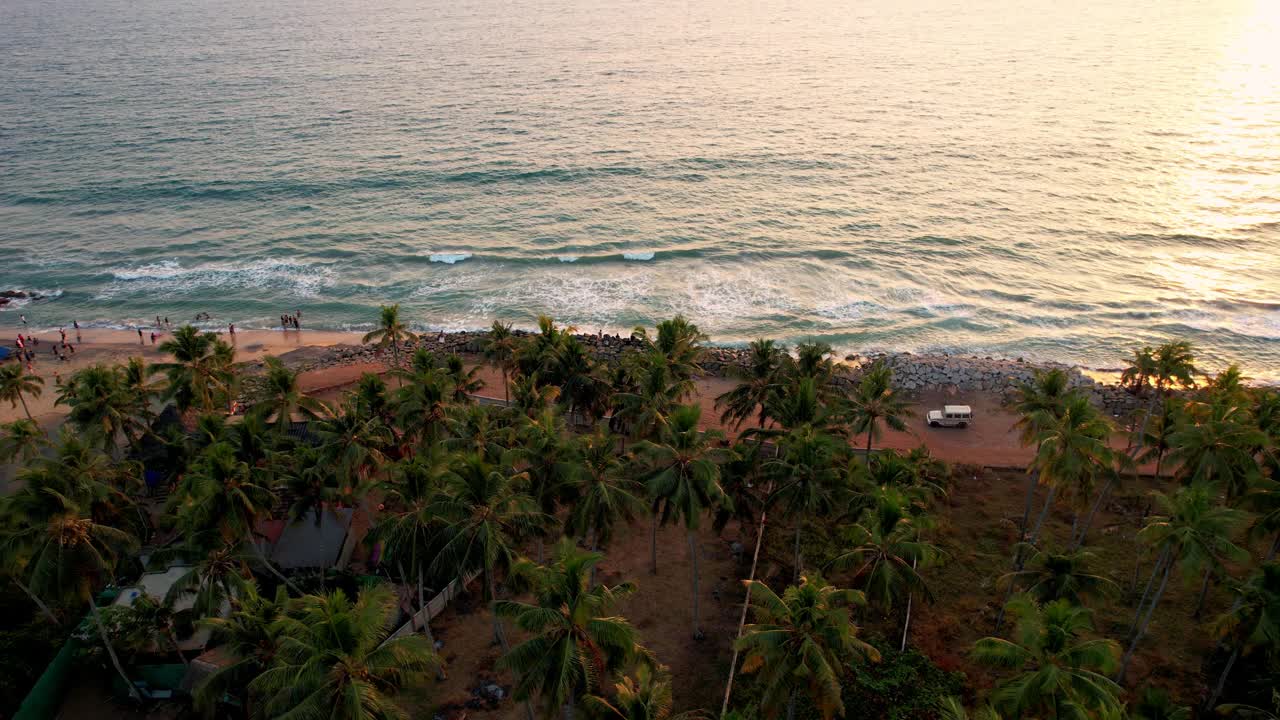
912, 373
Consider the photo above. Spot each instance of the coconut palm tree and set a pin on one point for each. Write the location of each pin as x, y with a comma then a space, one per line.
874, 401
888, 554
353, 446
1060, 675
145, 619
575, 643
604, 495
21, 440
548, 459
16, 384
201, 374
335, 660
68, 556
804, 479
250, 637
1037, 404
221, 494
801, 643
500, 351
645, 697
1195, 533
584, 390
481, 429
684, 481
1215, 442
1072, 452
1139, 369
814, 362
1060, 576
1252, 623
483, 514
422, 403
219, 578
279, 396
656, 393
1264, 500
1155, 704
391, 332
758, 383
530, 396
464, 381
101, 407
678, 343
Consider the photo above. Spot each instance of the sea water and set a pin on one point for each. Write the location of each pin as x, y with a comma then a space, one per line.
1007, 177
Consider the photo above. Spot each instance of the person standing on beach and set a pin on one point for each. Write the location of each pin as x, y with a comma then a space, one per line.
153, 338
297, 320
24, 319
140, 341
63, 333
232, 329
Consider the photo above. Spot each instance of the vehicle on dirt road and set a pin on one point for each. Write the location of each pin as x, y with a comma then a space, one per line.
951, 416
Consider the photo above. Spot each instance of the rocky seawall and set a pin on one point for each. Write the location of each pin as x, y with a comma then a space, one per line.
913, 374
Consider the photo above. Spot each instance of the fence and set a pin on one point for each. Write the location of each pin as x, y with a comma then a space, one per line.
435, 605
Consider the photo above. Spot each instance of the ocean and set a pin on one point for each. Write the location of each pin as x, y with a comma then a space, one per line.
1022, 178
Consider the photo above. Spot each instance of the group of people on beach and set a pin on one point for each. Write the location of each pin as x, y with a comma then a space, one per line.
62, 350
291, 321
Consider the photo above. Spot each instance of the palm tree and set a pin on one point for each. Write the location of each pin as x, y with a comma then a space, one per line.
465, 382
201, 373
684, 480
484, 515
101, 407
69, 555
875, 401
220, 494
802, 642
1264, 500
335, 660
804, 479
1037, 404
1139, 370
548, 461
1060, 576
583, 388
280, 397
575, 644
1060, 675
146, 618
353, 446
656, 393
1072, 452
1194, 532
16, 384
1253, 622
250, 636
390, 332
500, 351
1216, 442
814, 362
532, 396
678, 343
646, 697
422, 405
538, 353
604, 494
220, 577
21, 440
758, 383
888, 554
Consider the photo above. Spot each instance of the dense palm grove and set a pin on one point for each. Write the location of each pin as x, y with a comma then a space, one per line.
522, 500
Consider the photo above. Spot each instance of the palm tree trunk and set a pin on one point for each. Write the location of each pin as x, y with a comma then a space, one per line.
498, 632
426, 623
262, 558
1204, 591
868, 453
1146, 621
1275, 547
506, 387
1159, 461
541, 552
568, 707
797, 572
111, 651
693, 558
1044, 513
906, 623
1222, 680
653, 545
1093, 511
1155, 572
25, 409
39, 603
1032, 479
320, 532
595, 538
791, 705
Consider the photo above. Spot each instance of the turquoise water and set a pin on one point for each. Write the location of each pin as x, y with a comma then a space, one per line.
1015, 177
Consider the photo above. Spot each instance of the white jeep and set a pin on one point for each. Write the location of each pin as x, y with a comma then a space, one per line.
951, 416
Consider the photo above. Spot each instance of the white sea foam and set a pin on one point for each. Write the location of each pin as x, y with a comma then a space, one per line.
170, 277
638, 255
449, 258
567, 258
